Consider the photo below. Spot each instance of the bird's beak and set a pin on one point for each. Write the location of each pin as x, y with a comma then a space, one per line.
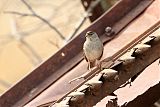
88, 33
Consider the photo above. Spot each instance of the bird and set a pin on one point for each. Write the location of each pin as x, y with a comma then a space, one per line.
93, 49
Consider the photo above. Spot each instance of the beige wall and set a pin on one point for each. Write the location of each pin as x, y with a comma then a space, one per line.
16, 60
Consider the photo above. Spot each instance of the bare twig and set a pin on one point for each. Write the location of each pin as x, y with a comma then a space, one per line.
42, 19
33, 52
20, 38
28, 32
34, 14
28, 6
93, 4
17, 13
55, 44
80, 24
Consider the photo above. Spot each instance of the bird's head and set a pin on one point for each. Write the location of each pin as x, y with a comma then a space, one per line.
91, 34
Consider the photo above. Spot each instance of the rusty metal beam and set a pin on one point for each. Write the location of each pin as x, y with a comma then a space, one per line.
147, 99
109, 61
124, 36
102, 85
51, 70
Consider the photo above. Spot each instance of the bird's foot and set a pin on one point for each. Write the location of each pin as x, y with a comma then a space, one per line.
99, 65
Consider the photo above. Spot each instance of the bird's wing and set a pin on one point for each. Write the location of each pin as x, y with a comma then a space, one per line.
92, 64
85, 56
85, 59
101, 54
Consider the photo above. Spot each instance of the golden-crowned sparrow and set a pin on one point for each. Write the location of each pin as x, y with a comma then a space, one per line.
93, 49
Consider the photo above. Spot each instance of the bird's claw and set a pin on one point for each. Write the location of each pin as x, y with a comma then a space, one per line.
99, 65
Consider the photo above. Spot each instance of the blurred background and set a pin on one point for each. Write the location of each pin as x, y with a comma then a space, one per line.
31, 31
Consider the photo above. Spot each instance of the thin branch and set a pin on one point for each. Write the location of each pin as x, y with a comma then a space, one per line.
16, 35
93, 4
17, 13
34, 14
78, 27
54, 44
51, 26
29, 7
44, 20
34, 53
26, 14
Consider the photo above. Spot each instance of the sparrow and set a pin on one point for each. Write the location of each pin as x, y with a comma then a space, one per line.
93, 49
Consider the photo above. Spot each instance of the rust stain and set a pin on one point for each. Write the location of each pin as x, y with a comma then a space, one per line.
43, 81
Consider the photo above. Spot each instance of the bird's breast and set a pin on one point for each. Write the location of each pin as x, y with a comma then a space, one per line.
93, 49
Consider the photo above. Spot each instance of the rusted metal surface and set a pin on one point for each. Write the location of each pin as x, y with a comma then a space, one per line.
142, 55
126, 36
47, 73
96, 12
143, 92
118, 54
148, 98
